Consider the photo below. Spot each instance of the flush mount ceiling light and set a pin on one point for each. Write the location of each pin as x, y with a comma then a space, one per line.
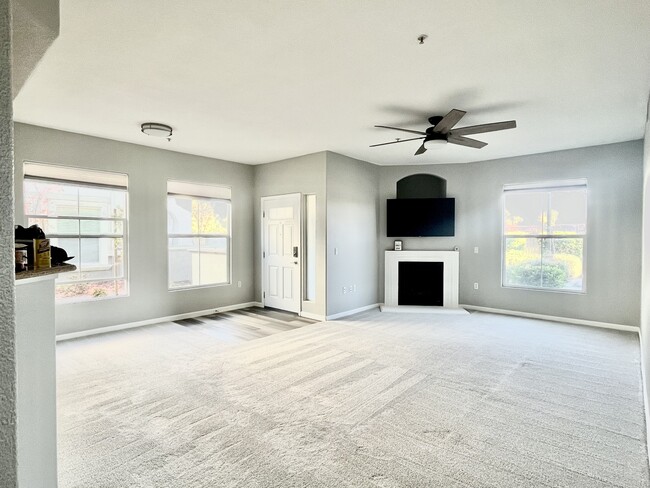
155, 129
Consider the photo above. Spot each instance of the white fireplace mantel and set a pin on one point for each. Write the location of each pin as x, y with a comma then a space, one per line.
450, 280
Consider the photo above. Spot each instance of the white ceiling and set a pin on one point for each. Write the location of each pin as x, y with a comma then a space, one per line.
257, 81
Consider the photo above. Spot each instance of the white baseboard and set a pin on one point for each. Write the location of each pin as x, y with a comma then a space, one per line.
142, 323
347, 313
313, 316
567, 320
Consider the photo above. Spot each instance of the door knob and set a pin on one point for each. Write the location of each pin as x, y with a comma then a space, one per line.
295, 252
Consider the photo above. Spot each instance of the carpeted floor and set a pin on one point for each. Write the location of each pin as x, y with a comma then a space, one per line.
387, 400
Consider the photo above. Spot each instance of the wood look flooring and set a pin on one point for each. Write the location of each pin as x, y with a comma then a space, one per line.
218, 330
244, 324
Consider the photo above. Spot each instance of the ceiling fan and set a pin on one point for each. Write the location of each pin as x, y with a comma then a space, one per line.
441, 132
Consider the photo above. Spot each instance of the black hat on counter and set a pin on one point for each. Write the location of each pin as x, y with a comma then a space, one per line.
59, 256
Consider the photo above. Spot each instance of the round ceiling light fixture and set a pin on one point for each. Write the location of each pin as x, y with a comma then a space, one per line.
156, 129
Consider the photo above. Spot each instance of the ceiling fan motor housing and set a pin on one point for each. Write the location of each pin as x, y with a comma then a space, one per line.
432, 135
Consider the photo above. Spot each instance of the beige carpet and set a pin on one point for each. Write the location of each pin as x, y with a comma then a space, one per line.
388, 400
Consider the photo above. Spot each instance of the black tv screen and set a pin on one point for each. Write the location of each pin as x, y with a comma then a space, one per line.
421, 217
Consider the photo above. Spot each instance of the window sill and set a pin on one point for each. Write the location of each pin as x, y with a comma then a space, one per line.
547, 290
198, 287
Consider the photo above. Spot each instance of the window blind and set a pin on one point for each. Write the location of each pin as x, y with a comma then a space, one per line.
69, 174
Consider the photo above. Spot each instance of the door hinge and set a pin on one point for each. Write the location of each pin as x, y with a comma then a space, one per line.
263, 254
263, 294
263, 214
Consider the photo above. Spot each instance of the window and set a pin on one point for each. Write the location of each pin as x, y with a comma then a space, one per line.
85, 213
544, 236
198, 235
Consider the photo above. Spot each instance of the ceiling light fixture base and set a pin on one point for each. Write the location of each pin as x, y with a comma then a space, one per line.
156, 129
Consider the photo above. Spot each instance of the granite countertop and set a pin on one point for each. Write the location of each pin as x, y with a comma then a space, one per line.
37, 273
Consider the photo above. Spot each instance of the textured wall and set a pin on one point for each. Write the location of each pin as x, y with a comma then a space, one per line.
35, 27
7, 330
645, 275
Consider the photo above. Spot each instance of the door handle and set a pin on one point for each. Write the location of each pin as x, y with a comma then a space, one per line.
295, 252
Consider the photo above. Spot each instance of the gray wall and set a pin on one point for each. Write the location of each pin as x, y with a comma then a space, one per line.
306, 175
614, 174
8, 468
148, 170
645, 288
352, 229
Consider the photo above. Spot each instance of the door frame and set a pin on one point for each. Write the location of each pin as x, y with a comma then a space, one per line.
300, 257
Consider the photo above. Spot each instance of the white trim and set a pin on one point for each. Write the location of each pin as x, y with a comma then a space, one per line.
424, 309
646, 400
313, 316
35, 279
142, 323
351, 312
449, 259
552, 318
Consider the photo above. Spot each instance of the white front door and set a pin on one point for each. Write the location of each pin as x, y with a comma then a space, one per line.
281, 253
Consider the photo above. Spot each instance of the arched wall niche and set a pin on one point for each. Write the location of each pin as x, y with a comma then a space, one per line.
422, 186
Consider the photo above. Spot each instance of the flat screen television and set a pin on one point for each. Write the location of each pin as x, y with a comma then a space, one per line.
421, 217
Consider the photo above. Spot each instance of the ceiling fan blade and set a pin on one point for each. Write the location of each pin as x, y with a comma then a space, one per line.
403, 130
420, 150
477, 129
397, 142
466, 141
448, 121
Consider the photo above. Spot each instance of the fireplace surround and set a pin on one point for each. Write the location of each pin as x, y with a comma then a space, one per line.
450, 270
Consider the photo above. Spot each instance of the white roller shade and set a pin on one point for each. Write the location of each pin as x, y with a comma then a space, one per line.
547, 185
71, 174
75, 175
198, 190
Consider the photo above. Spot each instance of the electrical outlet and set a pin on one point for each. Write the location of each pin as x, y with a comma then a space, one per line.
354, 288
345, 290
476, 250
476, 286
239, 284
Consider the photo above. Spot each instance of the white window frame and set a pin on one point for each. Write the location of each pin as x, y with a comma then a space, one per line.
198, 191
66, 175
550, 186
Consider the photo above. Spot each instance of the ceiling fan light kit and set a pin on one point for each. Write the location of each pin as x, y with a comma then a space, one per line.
434, 143
442, 132
156, 129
